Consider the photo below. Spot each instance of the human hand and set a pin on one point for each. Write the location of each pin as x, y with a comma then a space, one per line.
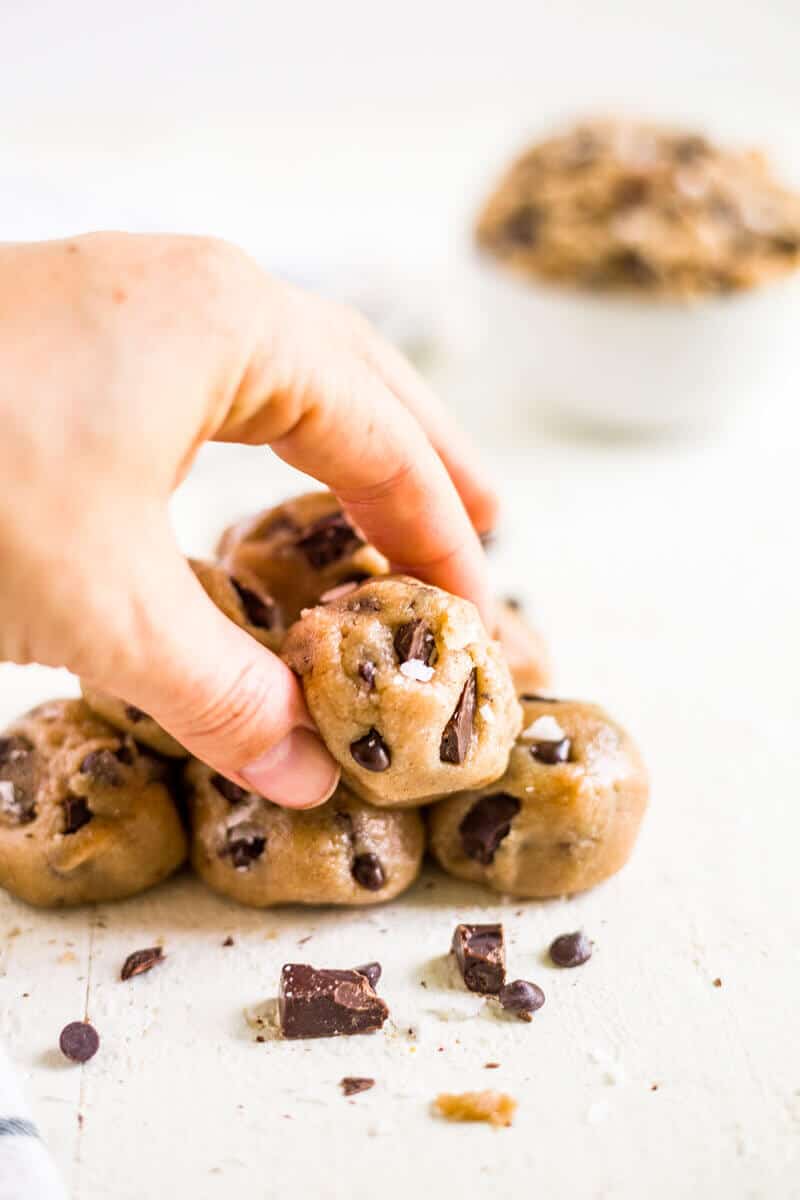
119, 357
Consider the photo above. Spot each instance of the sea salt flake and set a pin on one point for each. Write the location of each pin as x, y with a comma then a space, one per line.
336, 593
486, 712
6, 796
545, 729
415, 669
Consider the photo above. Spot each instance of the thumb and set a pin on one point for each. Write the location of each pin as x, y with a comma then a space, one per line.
221, 694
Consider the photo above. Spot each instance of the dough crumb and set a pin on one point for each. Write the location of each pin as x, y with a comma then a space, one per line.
496, 1108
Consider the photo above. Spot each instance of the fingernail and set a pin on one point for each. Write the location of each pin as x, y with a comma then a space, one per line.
297, 773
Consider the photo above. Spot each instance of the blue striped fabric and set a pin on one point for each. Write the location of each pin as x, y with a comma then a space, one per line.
17, 1127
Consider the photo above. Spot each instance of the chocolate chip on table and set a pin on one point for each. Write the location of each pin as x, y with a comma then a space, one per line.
227, 788
368, 872
141, 961
228, 941
522, 998
79, 1041
244, 845
322, 1003
571, 949
328, 539
134, 714
486, 824
551, 752
17, 780
415, 640
372, 970
103, 767
260, 611
351, 1085
367, 671
371, 752
76, 813
481, 956
457, 733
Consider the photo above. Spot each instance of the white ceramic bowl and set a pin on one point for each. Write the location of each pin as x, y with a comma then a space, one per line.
641, 366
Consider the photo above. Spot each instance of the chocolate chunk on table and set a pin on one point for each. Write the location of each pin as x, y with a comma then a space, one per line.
481, 956
327, 1003
351, 1085
141, 961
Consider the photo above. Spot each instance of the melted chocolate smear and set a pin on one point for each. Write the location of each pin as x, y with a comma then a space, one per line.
457, 733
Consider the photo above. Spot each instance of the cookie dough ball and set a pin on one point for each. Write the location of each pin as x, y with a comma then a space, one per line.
243, 599
524, 648
85, 814
300, 550
564, 816
345, 852
411, 696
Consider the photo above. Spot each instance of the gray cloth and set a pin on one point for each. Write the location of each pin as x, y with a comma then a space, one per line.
26, 1169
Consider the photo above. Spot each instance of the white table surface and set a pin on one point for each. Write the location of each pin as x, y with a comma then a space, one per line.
666, 578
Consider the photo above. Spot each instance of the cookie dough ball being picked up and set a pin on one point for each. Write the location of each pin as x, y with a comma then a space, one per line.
410, 694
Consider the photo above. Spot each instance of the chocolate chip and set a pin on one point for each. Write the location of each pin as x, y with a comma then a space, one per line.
79, 1041
244, 844
513, 603
522, 998
228, 941
486, 824
481, 957
571, 949
368, 872
457, 733
415, 640
785, 243
351, 1085
536, 698
328, 539
227, 788
316, 1003
367, 671
523, 226
690, 147
260, 611
371, 752
103, 767
631, 191
17, 780
627, 266
141, 961
372, 970
76, 813
134, 714
552, 752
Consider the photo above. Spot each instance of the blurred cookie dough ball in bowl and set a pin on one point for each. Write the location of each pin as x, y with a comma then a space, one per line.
639, 278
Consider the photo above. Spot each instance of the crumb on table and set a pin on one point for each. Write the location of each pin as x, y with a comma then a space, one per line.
497, 1108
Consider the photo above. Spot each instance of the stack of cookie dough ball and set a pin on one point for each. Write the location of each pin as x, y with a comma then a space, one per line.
434, 723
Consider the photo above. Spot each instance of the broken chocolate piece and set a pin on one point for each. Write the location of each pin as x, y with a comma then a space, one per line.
486, 824
351, 1085
141, 961
367, 870
227, 788
371, 752
551, 752
103, 767
522, 998
76, 813
322, 1003
372, 970
571, 949
17, 780
457, 733
328, 539
260, 611
79, 1041
481, 957
244, 844
415, 640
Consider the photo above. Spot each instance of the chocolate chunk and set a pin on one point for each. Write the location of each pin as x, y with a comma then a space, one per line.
126, 753
481, 957
571, 949
327, 540
371, 752
486, 824
552, 752
522, 998
79, 1041
134, 714
523, 226
367, 671
260, 611
457, 733
627, 266
76, 813
141, 961
690, 147
368, 872
351, 1085
244, 844
103, 767
314, 1003
227, 788
415, 640
535, 697
372, 970
17, 780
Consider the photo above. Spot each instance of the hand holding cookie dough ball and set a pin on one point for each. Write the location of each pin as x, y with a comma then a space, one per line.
563, 817
411, 696
345, 852
85, 814
300, 550
243, 599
